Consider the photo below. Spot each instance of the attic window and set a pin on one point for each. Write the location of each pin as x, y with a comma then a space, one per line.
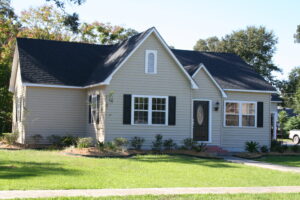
151, 62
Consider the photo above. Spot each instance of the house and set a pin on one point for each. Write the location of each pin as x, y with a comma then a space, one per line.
139, 87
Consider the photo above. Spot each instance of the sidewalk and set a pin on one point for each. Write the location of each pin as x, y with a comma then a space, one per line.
261, 164
144, 191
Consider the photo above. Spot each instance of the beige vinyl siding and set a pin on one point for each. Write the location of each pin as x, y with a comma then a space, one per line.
94, 130
209, 91
234, 138
55, 111
20, 92
131, 79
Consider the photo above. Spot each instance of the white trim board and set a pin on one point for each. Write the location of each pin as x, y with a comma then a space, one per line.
201, 66
209, 118
252, 91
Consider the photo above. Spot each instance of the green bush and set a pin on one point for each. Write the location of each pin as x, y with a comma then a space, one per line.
111, 146
189, 144
157, 143
295, 148
169, 144
37, 138
252, 146
9, 138
55, 140
100, 146
292, 123
202, 147
137, 142
69, 140
121, 143
264, 149
85, 142
275, 145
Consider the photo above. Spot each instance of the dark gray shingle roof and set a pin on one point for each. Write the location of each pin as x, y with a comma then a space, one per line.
79, 64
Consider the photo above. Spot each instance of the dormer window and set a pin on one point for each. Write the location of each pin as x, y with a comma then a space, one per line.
151, 62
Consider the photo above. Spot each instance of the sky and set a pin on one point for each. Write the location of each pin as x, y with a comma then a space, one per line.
182, 22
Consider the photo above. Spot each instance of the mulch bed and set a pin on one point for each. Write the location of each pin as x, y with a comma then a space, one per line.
260, 155
94, 152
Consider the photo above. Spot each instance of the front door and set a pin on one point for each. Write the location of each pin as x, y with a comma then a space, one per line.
201, 120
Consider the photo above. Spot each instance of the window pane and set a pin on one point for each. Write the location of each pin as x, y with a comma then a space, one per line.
150, 64
158, 117
140, 103
248, 109
159, 104
140, 117
248, 120
232, 108
232, 120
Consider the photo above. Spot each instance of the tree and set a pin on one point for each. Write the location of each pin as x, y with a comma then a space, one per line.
297, 35
256, 45
290, 87
102, 33
8, 30
44, 22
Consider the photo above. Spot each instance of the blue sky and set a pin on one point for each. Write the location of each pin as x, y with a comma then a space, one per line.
183, 22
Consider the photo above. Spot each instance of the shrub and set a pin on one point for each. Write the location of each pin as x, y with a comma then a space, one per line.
37, 138
169, 144
275, 145
157, 143
69, 140
121, 143
292, 123
110, 146
189, 143
295, 148
55, 140
9, 138
264, 149
137, 142
84, 142
252, 146
202, 147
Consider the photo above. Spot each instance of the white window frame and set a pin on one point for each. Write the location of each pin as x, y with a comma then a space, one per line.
241, 114
155, 61
93, 118
150, 110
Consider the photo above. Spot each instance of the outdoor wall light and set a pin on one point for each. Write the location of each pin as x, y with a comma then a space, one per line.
217, 105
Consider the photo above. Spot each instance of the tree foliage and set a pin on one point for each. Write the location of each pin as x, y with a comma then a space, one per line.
297, 35
256, 45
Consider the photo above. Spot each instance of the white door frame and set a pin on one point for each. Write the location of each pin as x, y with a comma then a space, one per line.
209, 119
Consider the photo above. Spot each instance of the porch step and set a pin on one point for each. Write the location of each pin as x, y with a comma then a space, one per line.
216, 149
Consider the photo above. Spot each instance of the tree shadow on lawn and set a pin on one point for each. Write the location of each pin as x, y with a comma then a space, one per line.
18, 169
215, 163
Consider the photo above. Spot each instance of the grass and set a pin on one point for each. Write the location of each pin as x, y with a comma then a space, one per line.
271, 196
282, 160
32, 169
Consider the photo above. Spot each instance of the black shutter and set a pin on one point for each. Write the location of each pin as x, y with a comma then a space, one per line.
98, 108
260, 114
172, 110
127, 109
90, 107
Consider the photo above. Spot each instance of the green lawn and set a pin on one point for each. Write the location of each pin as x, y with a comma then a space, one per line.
31, 169
282, 160
272, 196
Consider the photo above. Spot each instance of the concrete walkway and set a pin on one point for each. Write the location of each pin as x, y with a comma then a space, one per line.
261, 164
144, 191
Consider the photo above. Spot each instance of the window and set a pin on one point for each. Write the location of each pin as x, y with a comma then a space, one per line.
241, 114
151, 62
149, 110
94, 108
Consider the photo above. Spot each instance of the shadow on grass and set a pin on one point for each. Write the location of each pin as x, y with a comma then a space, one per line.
18, 169
185, 160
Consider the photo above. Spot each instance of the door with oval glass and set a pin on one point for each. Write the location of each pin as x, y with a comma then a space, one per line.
200, 120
